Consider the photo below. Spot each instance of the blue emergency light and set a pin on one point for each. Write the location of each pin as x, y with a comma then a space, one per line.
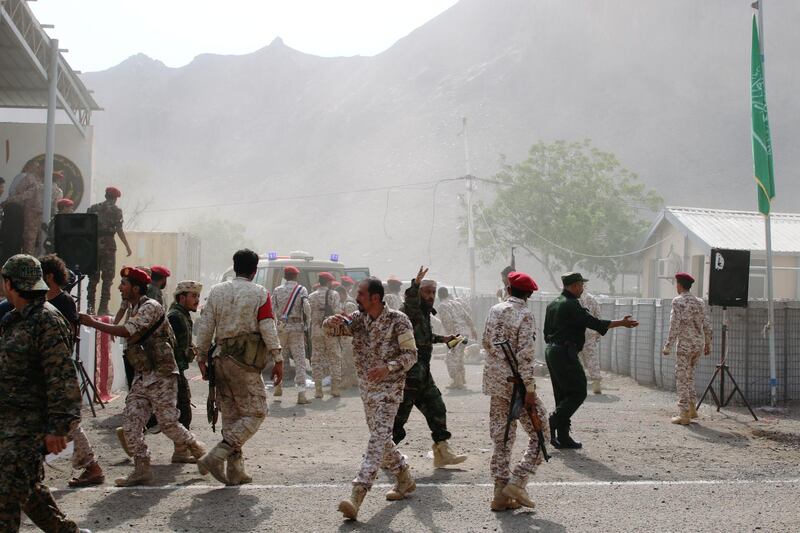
272, 256
335, 258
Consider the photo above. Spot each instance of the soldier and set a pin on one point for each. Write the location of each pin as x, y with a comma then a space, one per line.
456, 321
29, 195
420, 389
158, 275
349, 306
384, 351
393, 298
589, 357
350, 286
238, 316
290, 306
187, 298
109, 224
54, 272
502, 293
40, 401
690, 328
325, 351
150, 352
565, 324
512, 321
65, 206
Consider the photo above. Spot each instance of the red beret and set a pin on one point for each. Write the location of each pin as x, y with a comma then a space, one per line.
65, 202
58, 174
161, 271
113, 191
335, 284
326, 275
522, 281
684, 276
135, 274
291, 270
347, 280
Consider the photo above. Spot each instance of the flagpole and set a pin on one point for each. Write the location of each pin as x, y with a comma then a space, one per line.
773, 374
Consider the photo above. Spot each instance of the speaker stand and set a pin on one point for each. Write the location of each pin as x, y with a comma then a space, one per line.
87, 387
724, 370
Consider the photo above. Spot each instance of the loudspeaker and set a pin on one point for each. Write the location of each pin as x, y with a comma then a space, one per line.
729, 278
76, 241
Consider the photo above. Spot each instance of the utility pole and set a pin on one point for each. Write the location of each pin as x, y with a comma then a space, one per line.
469, 179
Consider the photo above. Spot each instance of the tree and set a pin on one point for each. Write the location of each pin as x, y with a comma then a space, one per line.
219, 239
570, 206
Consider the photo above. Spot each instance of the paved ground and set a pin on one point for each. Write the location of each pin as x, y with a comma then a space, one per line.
636, 472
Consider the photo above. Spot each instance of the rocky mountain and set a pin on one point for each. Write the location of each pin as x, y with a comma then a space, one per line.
274, 139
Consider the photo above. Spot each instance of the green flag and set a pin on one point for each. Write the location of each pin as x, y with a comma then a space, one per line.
762, 143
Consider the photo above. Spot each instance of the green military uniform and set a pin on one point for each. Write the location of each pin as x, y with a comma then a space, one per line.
109, 222
420, 389
39, 396
154, 292
565, 326
181, 323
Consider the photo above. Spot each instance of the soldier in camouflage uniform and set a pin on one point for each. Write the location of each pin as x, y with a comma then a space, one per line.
150, 351
457, 321
349, 306
589, 356
29, 194
384, 350
187, 298
326, 355
158, 281
392, 297
690, 328
238, 317
40, 401
109, 224
420, 389
291, 308
512, 321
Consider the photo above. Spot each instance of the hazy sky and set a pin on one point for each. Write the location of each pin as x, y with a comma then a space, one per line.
102, 33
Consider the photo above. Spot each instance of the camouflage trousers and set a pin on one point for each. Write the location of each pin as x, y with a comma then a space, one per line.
107, 266
83, 454
685, 363
242, 401
455, 363
21, 488
159, 398
501, 454
326, 358
31, 228
590, 360
349, 377
421, 392
380, 409
295, 342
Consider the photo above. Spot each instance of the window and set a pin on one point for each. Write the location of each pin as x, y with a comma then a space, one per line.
758, 279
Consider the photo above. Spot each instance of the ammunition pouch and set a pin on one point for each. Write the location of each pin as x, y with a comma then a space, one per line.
137, 357
248, 351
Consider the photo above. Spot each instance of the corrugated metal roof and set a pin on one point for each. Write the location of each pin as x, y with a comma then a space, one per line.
737, 230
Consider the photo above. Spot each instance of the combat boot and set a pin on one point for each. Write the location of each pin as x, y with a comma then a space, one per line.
123, 442
278, 391
181, 455
565, 441
197, 449
214, 462
301, 398
405, 485
596, 388
335, 389
683, 419
349, 508
443, 456
519, 494
235, 470
553, 437
317, 390
693, 412
92, 475
500, 501
142, 474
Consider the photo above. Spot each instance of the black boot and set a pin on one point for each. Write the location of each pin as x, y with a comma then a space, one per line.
554, 442
565, 440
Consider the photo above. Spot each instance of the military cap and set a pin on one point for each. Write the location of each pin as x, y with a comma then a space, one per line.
427, 282
521, 281
187, 286
159, 270
684, 276
135, 274
326, 275
65, 202
572, 277
394, 280
291, 270
113, 191
26, 273
347, 280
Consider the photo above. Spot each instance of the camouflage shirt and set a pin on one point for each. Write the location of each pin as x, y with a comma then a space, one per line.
388, 340
39, 391
158, 348
455, 317
280, 298
421, 320
590, 303
394, 301
688, 323
511, 321
350, 306
109, 222
181, 322
317, 301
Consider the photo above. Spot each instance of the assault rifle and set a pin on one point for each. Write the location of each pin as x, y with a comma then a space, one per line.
212, 407
518, 399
